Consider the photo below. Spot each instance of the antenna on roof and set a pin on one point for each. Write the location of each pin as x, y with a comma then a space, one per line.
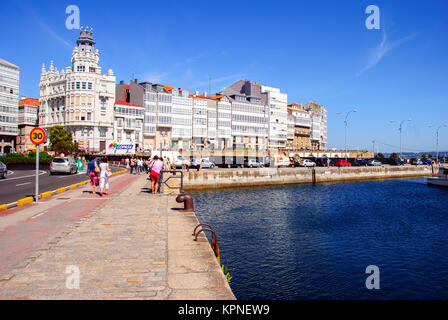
209, 83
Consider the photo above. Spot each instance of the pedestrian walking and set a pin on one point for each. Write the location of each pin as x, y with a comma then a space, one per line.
145, 165
105, 172
132, 164
93, 171
156, 167
139, 166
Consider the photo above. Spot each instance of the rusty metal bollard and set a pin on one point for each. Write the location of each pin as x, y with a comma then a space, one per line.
187, 200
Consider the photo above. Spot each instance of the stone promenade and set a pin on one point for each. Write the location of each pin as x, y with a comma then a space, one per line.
132, 246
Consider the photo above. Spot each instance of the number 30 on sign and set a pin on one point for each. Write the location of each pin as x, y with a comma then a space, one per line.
37, 136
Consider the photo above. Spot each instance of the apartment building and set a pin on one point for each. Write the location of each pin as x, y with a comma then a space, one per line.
9, 98
28, 120
277, 103
249, 116
317, 123
81, 98
299, 128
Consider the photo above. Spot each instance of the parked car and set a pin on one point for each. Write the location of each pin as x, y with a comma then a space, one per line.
417, 162
374, 163
427, 161
195, 163
206, 163
307, 163
252, 163
322, 162
397, 162
342, 163
360, 162
66, 165
3, 170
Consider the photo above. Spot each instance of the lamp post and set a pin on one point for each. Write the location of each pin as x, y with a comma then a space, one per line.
345, 122
437, 140
401, 129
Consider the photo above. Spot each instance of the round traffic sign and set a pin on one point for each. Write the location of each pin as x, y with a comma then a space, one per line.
37, 136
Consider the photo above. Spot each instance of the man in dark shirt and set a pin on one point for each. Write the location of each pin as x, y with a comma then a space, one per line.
92, 174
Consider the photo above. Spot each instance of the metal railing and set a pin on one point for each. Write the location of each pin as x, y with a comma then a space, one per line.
172, 176
214, 242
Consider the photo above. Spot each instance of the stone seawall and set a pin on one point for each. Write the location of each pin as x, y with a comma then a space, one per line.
216, 179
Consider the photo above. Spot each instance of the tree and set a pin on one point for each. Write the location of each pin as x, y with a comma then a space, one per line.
380, 155
429, 156
61, 141
394, 156
424, 156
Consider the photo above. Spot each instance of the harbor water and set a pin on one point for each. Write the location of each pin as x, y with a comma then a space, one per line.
315, 241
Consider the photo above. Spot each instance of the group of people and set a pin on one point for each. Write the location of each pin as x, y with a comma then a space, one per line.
98, 171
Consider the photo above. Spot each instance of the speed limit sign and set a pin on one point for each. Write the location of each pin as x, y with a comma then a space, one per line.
37, 136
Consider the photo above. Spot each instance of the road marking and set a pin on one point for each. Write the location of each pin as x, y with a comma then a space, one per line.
40, 214
22, 184
70, 175
33, 175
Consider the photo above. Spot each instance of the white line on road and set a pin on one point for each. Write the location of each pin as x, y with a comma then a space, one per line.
22, 184
33, 175
72, 175
40, 214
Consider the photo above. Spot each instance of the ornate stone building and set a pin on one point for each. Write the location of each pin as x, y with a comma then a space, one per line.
80, 98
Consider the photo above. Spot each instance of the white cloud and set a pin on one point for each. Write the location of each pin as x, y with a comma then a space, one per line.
382, 49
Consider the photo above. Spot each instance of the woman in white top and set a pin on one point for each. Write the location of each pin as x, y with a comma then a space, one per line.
104, 176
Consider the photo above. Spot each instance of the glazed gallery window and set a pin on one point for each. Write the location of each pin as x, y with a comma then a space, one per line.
78, 85
81, 69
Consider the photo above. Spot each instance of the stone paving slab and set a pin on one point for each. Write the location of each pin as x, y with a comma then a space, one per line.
133, 246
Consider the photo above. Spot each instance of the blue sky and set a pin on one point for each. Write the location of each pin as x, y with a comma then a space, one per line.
313, 50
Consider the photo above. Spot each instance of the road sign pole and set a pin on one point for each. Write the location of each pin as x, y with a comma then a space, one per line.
37, 173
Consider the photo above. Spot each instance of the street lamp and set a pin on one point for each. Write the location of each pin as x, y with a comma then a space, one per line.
345, 122
437, 140
400, 129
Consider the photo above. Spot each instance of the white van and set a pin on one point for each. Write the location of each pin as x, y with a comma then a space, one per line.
280, 161
175, 157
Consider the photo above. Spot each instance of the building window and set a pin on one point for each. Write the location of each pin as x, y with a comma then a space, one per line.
73, 86
91, 69
78, 85
81, 68
89, 86
83, 86
89, 116
102, 132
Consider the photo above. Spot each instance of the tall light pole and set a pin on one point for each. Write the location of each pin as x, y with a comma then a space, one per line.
401, 129
437, 140
345, 122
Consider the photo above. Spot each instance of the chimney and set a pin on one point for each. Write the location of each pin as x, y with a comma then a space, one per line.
205, 93
121, 82
196, 93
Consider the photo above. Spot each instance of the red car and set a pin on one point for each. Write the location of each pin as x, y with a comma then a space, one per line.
342, 163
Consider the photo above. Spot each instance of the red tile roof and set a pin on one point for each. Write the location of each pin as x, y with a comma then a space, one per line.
127, 104
29, 102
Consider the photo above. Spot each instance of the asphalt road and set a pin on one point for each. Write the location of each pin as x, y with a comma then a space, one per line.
21, 183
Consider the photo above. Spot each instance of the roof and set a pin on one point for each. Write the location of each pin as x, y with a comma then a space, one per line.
29, 102
168, 88
127, 104
217, 97
8, 64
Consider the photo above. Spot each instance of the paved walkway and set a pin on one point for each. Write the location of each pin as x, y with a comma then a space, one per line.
129, 246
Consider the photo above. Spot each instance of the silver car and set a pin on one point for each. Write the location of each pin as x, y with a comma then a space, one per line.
63, 165
3, 170
206, 163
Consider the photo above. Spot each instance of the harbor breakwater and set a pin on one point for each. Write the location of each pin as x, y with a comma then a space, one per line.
216, 179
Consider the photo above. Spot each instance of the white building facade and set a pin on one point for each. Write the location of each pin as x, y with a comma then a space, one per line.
9, 98
128, 123
80, 98
277, 103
